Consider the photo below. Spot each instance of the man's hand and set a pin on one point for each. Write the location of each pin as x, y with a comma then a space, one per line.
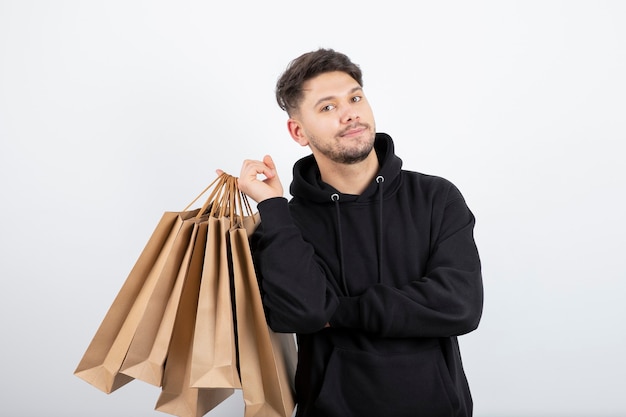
260, 189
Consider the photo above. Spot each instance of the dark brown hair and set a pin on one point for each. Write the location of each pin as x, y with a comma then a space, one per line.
309, 65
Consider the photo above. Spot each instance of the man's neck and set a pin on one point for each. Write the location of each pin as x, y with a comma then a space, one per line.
350, 179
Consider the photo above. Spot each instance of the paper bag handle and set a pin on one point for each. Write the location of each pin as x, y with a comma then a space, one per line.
225, 200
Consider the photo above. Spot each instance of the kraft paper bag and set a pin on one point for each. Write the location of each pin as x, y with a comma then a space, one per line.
267, 360
101, 362
146, 355
189, 317
214, 353
177, 396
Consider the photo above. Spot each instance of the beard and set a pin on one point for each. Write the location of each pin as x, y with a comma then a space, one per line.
344, 151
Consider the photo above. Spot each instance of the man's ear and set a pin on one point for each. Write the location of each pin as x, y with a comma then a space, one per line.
296, 132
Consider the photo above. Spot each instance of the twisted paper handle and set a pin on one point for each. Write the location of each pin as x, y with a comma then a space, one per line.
225, 200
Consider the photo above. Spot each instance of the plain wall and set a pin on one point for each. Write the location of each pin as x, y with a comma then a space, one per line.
113, 112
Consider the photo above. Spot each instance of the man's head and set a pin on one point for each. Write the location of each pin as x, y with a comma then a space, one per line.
322, 92
289, 88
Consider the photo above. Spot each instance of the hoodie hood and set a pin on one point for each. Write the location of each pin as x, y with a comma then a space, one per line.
308, 185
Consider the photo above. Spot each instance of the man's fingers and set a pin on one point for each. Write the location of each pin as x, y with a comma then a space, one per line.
252, 168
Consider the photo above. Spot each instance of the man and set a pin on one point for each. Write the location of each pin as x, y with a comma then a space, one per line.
373, 267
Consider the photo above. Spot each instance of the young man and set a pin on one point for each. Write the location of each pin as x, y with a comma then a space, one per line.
373, 267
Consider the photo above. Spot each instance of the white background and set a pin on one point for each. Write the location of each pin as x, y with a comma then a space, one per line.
113, 112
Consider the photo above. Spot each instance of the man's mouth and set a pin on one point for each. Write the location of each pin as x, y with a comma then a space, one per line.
353, 130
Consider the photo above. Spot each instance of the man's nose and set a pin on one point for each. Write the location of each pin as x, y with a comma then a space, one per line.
350, 114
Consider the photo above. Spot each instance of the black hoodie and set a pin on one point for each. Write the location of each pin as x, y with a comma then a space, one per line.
396, 273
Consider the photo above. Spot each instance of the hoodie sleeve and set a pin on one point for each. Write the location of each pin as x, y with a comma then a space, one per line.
296, 293
446, 301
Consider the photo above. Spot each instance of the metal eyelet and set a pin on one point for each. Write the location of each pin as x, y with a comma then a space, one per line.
335, 197
380, 179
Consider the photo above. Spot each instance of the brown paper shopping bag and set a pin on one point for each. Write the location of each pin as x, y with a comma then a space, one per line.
137, 301
214, 353
177, 396
177, 322
148, 350
267, 360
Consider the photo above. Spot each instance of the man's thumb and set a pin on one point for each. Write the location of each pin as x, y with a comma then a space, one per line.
267, 160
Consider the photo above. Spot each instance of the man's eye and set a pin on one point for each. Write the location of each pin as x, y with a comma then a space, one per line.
356, 98
328, 107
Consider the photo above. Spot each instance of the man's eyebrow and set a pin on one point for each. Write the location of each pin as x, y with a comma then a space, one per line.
323, 99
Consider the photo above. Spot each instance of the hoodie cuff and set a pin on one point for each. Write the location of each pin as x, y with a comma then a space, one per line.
273, 212
347, 313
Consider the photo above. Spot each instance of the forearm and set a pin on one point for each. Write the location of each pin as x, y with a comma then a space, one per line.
296, 295
430, 307
444, 299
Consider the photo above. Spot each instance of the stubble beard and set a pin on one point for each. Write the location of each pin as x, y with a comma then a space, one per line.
347, 152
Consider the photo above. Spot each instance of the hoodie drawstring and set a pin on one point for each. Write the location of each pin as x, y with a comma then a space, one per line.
335, 198
380, 180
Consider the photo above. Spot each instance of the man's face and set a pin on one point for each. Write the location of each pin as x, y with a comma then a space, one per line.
334, 119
